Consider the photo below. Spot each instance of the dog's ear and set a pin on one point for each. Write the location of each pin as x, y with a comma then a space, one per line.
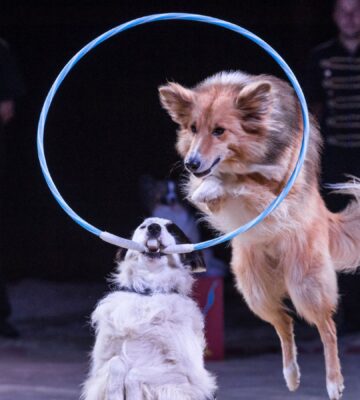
254, 102
177, 101
195, 259
120, 255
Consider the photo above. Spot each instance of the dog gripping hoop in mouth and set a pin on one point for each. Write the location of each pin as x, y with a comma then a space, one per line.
187, 248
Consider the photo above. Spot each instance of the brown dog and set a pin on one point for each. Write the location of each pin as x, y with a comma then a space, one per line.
240, 137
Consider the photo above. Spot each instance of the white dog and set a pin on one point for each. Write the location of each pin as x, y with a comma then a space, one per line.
149, 332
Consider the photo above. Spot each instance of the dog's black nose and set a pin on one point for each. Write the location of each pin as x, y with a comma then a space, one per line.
154, 230
192, 164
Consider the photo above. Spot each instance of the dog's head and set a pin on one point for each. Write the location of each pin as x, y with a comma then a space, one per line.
231, 119
156, 234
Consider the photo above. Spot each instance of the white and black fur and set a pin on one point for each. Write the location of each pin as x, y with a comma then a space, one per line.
149, 332
162, 199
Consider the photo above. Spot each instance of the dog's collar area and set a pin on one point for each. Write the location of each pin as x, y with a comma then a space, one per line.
146, 291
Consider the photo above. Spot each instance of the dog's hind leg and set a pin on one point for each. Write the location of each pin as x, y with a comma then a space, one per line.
116, 380
173, 392
314, 295
265, 300
94, 388
157, 383
334, 378
283, 325
133, 386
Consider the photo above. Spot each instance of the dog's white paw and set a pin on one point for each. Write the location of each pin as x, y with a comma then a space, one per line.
292, 376
208, 191
335, 389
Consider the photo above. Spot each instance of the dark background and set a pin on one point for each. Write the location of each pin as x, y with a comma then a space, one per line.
106, 127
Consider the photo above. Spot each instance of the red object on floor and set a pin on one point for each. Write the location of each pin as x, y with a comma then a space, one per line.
208, 292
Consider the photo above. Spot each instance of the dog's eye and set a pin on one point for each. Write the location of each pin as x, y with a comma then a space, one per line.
193, 128
142, 227
218, 131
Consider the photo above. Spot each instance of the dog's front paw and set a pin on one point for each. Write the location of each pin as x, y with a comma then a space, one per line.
209, 191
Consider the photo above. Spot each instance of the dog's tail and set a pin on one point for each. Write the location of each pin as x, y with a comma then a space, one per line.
345, 228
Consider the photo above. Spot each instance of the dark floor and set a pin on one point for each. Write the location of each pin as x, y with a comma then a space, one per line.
50, 360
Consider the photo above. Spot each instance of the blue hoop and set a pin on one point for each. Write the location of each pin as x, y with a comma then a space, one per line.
165, 17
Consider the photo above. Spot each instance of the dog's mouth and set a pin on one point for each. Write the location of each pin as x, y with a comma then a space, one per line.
207, 171
154, 248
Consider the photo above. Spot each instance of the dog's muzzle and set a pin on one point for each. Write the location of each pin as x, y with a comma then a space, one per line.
207, 171
153, 242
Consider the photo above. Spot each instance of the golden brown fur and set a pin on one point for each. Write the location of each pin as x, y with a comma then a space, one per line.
241, 135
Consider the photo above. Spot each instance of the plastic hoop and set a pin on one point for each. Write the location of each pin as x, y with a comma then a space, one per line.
116, 240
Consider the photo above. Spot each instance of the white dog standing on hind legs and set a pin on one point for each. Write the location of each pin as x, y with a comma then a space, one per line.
149, 332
